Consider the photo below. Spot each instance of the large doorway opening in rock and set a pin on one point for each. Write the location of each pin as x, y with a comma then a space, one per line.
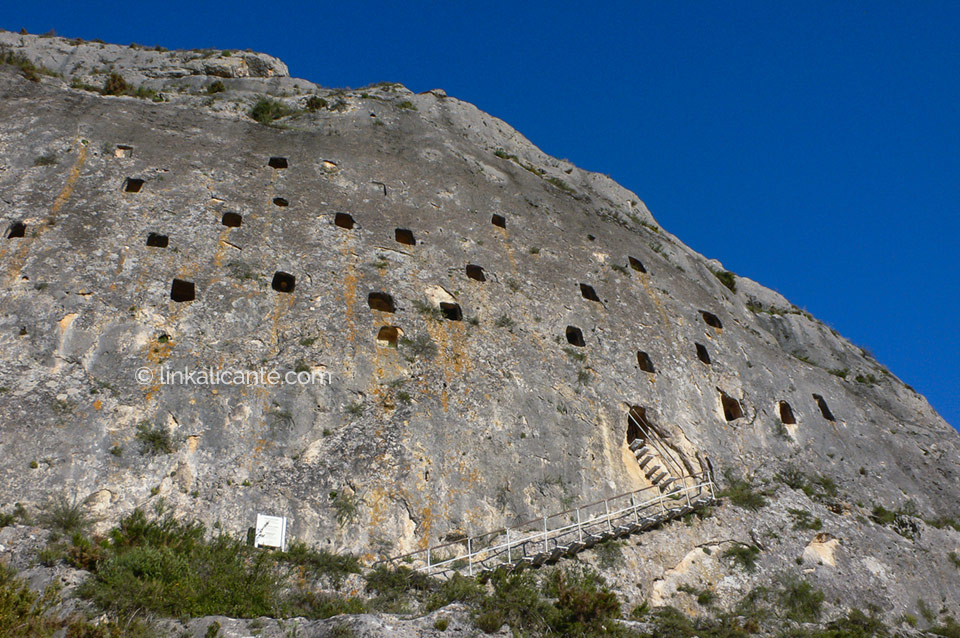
702, 353
381, 301
231, 220
404, 236
182, 290
711, 320
732, 409
786, 413
636, 417
387, 336
155, 240
281, 202
589, 293
17, 229
475, 273
451, 311
343, 220
277, 162
636, 264
643, 360
283, 281
575, 336
824, 408
132, 185
499, 221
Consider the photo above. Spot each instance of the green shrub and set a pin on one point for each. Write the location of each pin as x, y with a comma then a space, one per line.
115, 85
347, 507
802, 519
950, 629
584, 606
154, 440
421, 346
609, 554
315, 103
799, 600
441, 624
309, 604
216, 87
21, 611
407, 105
47, 159
855, 624
27, 68
266, 111
727, 278
457, 588
170, 568
395, 588
65, 517
744, 556
742, 494
516, 602
320, 563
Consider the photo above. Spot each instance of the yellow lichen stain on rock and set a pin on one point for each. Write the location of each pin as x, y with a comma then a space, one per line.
17, 260
644, 279
66, 322
98, 404
67, 189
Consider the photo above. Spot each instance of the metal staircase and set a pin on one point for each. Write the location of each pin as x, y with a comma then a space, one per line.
546, 539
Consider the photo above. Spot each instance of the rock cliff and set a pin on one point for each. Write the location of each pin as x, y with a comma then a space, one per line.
482, 325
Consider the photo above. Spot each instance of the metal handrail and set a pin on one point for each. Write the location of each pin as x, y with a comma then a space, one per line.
531, 545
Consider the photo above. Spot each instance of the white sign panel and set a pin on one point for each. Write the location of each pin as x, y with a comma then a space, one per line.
271, 531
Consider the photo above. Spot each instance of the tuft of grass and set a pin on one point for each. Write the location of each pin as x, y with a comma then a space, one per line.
154, 440
839, 372
346, 506
421, 346
744, 556
742, 493
802, 519
27, 68
65, 517
115, 85
407, 105
47, 159
799, 600
726, 278
562, 185
267, 111
315, 103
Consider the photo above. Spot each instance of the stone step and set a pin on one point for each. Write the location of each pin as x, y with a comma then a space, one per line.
645, 460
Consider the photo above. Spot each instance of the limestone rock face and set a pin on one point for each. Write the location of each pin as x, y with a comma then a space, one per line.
479, 321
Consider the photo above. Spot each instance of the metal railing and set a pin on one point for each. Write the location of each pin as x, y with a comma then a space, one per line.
541, 540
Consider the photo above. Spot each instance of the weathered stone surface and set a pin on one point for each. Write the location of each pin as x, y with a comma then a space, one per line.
499, 420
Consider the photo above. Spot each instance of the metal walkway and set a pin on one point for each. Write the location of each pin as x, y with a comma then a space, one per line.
546, 539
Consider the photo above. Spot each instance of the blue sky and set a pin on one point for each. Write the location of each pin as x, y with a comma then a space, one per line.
812, 146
